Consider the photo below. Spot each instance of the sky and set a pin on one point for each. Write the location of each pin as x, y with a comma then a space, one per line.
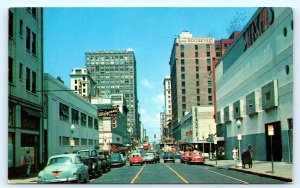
150, 32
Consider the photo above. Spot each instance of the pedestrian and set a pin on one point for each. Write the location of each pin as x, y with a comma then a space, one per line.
28, 162
250, 149
235, 155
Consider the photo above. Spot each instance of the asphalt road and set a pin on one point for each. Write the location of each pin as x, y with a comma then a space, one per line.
177, 173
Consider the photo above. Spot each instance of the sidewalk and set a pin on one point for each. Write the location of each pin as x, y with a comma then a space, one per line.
282, 170
32, 179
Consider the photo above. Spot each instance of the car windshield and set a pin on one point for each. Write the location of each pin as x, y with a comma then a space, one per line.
148, 155
60, 160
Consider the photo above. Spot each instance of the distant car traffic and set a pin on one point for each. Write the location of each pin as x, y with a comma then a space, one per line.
135, 158
169, 157
195, 157
117, 159
64, 168
149, 158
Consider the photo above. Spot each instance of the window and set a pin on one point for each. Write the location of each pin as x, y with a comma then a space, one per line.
90, 142
181, 47
83, 142
218, 54
11, 24
10, 69
208, 54
209, 90
183, 91
33, 11
181, 54
197, 69
208, 61
183, 107
198, 91
196, 54
197, 61
83, 119
28, 38
209, 83
208, 47
33, 82
34, 43
196, 47
183, 99
63, 112
75, 116
197, 76
208, 68
21, 71
209, 98
27, 79
198, 98
183, 84
96, 124
90, 122
182, 69
268, 95
197, 83
182, 62
183, 76
21, 28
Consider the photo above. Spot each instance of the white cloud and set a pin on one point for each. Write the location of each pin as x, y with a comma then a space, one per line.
147, 84
159, 101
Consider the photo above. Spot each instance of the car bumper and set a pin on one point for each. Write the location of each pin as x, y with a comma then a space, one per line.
60, 180
116, 164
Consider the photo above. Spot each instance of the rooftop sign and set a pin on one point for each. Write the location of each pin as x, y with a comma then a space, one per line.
196, 40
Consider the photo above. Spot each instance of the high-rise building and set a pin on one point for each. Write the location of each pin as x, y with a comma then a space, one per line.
191, 78
166, 116
82, 83
25, 83
115, 73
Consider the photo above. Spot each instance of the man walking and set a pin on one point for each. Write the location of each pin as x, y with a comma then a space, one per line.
28, 163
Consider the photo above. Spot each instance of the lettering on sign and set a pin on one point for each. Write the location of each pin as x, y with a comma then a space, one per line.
258, 26
196, 40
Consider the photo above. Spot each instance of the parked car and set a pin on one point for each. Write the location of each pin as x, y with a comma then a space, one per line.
149, 158
64, 168
117, 159
156, 154
169, 157
90, 158
104, 157
195, 157
184, 157
135, 158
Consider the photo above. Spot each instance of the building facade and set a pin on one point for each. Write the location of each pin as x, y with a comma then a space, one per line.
25, 75
166, 124
82, 83
191, 78
255, 86
115, 73
71, 122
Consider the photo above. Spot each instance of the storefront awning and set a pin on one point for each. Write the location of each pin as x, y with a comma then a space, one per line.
32, 112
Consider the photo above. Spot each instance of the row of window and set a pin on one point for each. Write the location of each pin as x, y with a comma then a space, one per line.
108, 57
31, 77
65, 141
196, 61
30, 42
85, 120
196, 54
208, 46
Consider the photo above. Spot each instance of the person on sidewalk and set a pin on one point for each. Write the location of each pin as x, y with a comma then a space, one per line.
28, 163
235, 155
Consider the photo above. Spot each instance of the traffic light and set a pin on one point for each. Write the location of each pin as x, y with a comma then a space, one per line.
154, 135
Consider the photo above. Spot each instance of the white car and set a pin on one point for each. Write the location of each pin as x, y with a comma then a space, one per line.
149, 158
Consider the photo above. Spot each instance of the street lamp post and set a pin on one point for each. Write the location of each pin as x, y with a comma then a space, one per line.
72, 143
239, 137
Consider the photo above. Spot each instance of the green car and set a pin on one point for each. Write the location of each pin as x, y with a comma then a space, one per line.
64, 168
117, 159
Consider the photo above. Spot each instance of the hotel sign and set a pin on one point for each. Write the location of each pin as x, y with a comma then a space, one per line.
258, 26
196, 40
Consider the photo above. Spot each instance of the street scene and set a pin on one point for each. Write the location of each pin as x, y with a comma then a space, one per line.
150, 95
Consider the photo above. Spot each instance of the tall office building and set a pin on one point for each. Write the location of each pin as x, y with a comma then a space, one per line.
166, 116
115, 73
191, 78
25, 83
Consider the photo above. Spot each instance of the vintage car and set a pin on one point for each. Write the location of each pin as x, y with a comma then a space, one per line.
117, 159
195, 157
156, 154
90, 158
184, 157
135, 158
149, 158
104, 157
64, 168
169, 156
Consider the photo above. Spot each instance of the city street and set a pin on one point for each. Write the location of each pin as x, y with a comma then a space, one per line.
178, 173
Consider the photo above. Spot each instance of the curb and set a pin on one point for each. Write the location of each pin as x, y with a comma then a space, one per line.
263, 175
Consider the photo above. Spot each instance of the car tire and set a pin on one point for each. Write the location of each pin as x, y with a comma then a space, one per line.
130, 164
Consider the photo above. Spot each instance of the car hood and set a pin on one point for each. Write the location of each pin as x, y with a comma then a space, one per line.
58, 171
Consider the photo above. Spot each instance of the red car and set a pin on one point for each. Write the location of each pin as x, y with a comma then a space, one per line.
135, 158
184, 157
195, 157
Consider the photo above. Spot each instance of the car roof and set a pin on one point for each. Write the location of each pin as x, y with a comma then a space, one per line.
64, 155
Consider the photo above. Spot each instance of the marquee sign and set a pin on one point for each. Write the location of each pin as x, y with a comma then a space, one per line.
258, 26
108, 112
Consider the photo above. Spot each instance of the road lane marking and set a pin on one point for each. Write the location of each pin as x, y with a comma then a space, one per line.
137, 175
229, 177
182, 178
